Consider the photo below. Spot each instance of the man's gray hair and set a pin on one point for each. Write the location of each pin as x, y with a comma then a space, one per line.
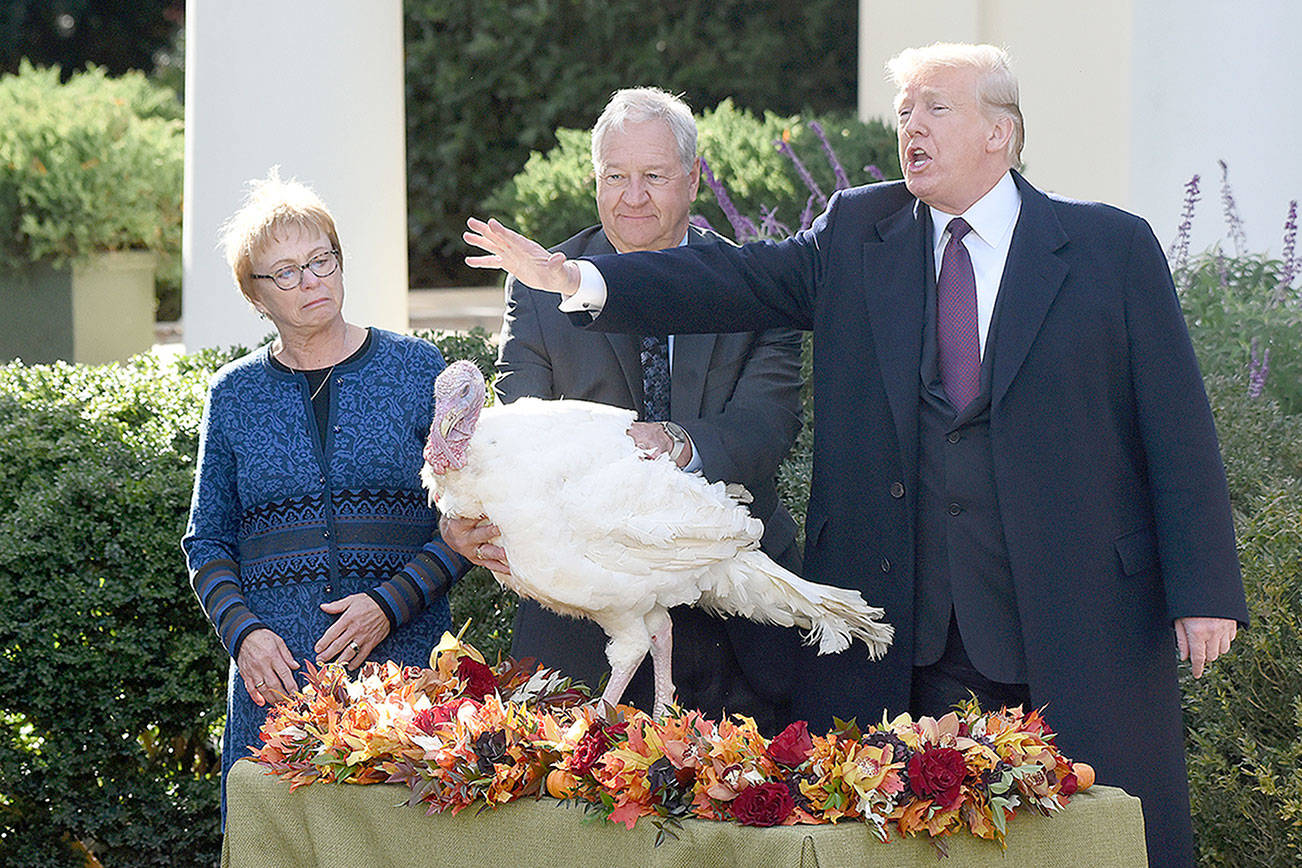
996, 83
640, 104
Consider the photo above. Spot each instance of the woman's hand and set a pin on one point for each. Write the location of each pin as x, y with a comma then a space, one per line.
361, 626
266, 666
472, 538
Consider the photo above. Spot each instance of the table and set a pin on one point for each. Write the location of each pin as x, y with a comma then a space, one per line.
346, 825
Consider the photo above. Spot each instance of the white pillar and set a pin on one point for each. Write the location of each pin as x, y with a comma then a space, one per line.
316, 88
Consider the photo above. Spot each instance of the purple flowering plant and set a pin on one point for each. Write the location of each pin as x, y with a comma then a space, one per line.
1244, 310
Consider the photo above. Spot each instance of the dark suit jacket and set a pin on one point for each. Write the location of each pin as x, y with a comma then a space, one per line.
1110, 487
737, 395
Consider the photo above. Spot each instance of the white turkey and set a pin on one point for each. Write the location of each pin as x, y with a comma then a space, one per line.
593, 529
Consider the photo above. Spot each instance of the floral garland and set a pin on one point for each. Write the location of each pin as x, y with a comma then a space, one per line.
462, 732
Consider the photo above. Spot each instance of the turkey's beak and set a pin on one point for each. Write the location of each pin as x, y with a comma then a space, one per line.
446, 425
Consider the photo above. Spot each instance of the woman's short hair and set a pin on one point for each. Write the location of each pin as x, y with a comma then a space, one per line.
996, 83
272, 206
640, 104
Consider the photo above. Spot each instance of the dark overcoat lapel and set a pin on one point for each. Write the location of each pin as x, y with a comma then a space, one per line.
893, 263
1032, 277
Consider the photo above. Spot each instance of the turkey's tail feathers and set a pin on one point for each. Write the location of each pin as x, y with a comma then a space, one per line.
760, 590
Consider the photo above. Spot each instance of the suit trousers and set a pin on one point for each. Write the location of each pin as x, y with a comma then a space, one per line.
937, 688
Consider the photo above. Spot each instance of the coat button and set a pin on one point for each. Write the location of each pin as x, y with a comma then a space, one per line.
955, 509
953, 436
329, 589
897, 489
326, 534
337, 429
886, 565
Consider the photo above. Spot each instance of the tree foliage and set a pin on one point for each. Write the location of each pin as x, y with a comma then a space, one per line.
491, 82
119, 35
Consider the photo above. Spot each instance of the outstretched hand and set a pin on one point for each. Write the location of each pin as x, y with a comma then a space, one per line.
527, 260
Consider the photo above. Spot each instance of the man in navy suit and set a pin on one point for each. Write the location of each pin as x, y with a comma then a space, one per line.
1014, 454
734, 403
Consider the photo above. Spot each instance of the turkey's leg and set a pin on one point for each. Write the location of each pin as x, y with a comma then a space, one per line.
662, 653
616, 684
625, 652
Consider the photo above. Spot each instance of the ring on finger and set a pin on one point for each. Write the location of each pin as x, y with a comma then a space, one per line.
259, 683
479, 551
354, 646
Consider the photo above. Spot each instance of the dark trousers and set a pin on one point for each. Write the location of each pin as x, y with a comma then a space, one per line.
937, 688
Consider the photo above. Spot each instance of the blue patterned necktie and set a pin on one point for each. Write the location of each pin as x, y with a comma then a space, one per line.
655, 379
956, 320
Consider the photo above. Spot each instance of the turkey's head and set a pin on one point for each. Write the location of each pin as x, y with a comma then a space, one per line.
458, 397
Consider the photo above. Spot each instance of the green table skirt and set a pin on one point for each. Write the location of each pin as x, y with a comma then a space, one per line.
343, 825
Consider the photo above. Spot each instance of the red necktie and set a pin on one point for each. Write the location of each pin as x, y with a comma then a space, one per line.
956, 320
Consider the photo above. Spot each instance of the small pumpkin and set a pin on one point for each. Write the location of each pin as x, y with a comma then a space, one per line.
1084, 773
561, 784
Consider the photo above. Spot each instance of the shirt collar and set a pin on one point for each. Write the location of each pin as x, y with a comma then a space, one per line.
991, 217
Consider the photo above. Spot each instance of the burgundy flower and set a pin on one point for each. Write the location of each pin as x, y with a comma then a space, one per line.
478, 679
937, 774
763, 805
1069, 784
589, 749
792, 745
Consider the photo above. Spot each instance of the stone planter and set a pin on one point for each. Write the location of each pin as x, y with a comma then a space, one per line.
99, 310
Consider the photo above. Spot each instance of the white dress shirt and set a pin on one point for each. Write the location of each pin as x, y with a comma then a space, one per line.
992, 218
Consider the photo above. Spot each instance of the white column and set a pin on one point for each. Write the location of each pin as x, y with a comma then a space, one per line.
1217, 80
316, 88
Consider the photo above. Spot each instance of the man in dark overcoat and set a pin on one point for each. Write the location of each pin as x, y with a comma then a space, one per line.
1013, 450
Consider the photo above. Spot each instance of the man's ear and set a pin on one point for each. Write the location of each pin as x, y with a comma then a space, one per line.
695, 176
1000, 135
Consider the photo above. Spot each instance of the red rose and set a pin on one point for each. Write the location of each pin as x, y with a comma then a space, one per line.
937, 774
589, 749
763, 805
478, 679
1069, 784
792, 745
425, 721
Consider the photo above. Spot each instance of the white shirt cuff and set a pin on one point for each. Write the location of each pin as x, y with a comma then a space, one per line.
591, 294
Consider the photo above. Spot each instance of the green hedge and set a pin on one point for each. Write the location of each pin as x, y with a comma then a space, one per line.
1243, 718
91, 164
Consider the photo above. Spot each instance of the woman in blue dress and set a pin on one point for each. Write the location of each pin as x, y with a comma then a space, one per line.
309, 534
